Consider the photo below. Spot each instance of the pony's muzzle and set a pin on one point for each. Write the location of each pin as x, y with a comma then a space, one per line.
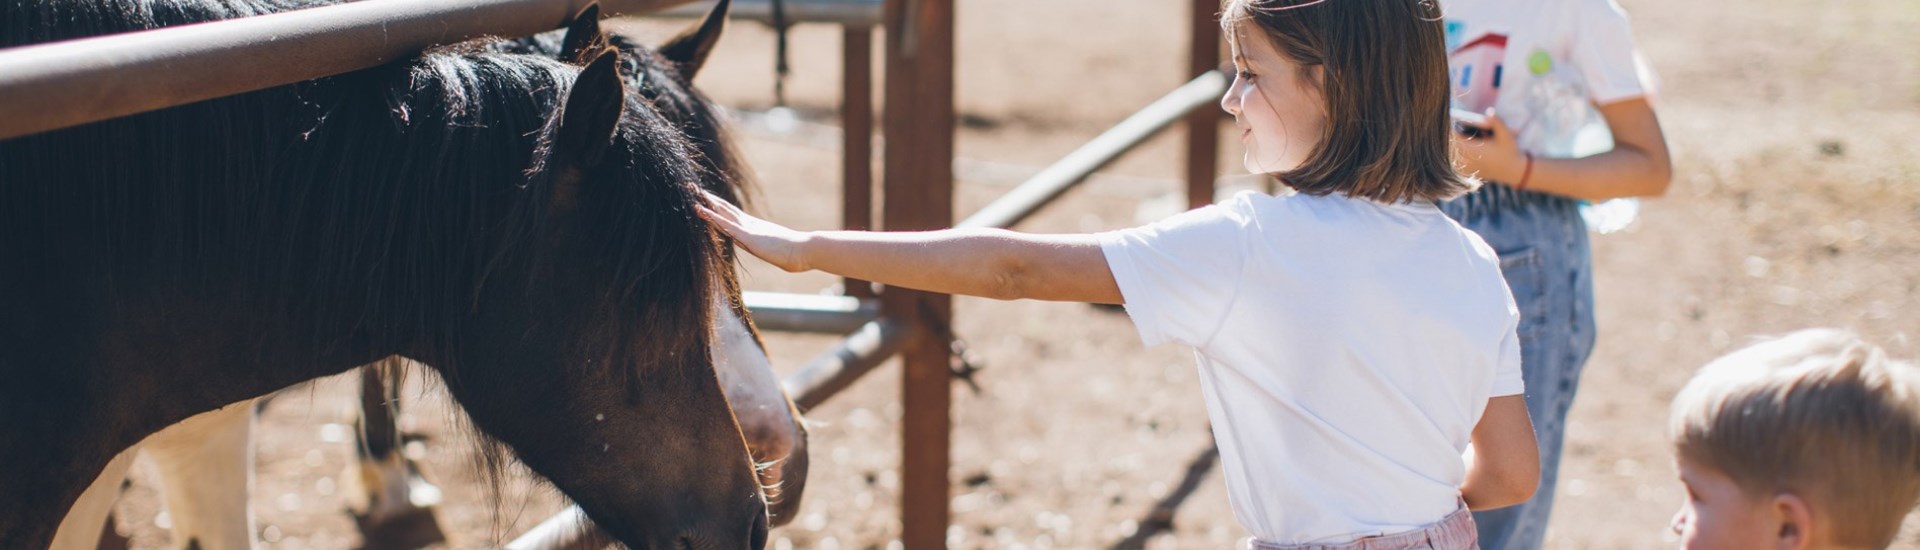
729, 535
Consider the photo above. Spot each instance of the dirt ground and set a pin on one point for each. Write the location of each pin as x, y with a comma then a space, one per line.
1794, 204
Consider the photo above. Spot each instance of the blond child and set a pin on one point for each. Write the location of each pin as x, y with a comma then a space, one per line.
1809, 441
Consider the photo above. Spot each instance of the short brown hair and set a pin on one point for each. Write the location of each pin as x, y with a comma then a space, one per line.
1385, 86
1819, 414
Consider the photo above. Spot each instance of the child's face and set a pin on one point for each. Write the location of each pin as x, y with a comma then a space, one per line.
1718, 514
1277, 108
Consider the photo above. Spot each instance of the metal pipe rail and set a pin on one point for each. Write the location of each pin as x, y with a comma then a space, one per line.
841, 366
809, 312
878, 340
57, 85
1057, 178
852, 13
567, 530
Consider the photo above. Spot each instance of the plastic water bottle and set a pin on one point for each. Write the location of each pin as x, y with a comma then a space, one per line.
1609, 215
1569, 127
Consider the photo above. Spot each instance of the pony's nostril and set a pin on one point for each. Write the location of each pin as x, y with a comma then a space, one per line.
685, 542
757, 537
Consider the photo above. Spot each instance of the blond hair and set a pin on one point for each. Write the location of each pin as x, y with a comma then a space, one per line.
1819, 414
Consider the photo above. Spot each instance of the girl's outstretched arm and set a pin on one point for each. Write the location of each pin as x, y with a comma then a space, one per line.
993, 263
1503, 461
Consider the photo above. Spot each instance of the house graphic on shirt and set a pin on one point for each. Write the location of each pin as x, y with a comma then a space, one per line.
1476, 68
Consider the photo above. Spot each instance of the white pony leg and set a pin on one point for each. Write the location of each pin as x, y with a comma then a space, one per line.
391, 503
205, 466
81, 529
387, 489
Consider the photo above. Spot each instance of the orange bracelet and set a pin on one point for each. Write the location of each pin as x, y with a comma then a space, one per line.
1525, 174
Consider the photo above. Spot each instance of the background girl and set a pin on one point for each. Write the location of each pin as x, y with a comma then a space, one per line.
1557, 76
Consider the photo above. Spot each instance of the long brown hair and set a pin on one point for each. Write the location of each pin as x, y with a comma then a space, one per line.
1385, 90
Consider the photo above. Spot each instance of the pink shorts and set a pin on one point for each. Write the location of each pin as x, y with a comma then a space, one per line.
1455, 532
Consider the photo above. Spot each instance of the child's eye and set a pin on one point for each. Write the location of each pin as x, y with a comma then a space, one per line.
1244, 75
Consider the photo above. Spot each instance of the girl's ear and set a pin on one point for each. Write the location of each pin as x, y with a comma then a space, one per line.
1795, 518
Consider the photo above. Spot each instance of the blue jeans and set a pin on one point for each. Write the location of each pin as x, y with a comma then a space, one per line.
1542, 243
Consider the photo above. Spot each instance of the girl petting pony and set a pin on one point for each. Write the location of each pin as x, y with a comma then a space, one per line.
1356, 346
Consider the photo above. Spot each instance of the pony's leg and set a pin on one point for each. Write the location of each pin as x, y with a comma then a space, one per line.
205, 467
391, 503
82, 528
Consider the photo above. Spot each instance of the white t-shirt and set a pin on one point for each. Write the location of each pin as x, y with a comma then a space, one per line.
1347, 348
1561, 58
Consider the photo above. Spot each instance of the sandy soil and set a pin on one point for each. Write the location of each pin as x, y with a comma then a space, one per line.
1794, 204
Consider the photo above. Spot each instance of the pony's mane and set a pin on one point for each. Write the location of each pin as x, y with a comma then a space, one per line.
385, 199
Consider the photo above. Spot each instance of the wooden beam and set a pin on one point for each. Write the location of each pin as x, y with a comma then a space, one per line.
918, 175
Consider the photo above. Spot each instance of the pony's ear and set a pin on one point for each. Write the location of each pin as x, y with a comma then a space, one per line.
689, 50
593, 110
584, 37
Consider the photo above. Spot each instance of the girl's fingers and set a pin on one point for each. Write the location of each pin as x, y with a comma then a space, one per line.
726, 225
1498, 125
718, 205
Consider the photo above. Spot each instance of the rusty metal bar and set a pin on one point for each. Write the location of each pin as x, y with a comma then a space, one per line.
1203, 126
854, 13
567, 530
51, 86
1196, 95
856, 135
919, 124
830, 372
809, 312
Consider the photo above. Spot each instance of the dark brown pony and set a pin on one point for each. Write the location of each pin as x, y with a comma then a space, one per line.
664, 77
520, 224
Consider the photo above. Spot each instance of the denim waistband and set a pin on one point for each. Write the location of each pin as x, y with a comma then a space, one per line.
1493, 197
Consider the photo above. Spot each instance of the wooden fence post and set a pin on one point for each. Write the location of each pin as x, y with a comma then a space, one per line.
856, 123
1203, 125
918, 179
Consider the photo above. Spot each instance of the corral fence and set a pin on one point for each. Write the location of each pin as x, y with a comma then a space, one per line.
58, 85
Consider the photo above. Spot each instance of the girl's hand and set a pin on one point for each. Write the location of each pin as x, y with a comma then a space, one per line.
1494, 156
770, 241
